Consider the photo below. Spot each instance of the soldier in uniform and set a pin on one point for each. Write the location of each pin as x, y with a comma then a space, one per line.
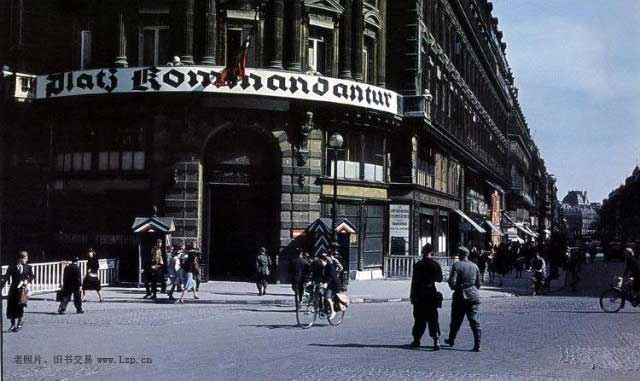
464, 280
425, 297
153, 270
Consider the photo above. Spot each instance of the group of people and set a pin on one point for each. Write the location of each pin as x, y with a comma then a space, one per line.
464, 280
72, 282
177, 269
323, 270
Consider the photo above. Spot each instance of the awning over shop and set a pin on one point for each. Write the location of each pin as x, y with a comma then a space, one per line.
524, 229
470, 221
493, 227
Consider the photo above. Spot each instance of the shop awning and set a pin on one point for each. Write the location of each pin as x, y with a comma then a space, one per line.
524, 229
470, 221
493, 227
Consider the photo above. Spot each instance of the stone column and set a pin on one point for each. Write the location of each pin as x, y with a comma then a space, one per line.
382, 45
210, 35
345, 42
293, 28
276, 22
186, 48
358, 36
121, 39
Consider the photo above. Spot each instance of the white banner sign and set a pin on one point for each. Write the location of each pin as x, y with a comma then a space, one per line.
399, 229
257, 82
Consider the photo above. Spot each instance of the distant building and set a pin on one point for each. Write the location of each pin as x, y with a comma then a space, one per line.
580, 214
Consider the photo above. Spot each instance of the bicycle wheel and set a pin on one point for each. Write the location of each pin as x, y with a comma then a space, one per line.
306, 311
338, 318
611, 300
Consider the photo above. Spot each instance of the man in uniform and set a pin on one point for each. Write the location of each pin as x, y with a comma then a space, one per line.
464, 280
426, 298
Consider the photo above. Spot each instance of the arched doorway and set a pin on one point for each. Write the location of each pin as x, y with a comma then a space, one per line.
242, 184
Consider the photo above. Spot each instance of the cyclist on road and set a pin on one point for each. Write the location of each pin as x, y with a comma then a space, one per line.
323, 272
632, 267
538, 267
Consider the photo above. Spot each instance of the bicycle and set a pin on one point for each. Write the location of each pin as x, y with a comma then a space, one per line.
313, 304
613, 299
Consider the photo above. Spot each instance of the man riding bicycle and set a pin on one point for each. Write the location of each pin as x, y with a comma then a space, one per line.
323, 272
632, 267
538, 267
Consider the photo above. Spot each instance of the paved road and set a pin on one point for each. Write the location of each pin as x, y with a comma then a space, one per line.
525, 338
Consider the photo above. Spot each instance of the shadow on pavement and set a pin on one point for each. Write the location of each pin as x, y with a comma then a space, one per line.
386, 346
275, 326
596, 312
246, 293
259, 310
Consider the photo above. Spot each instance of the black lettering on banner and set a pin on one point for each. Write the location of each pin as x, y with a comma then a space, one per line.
193, 78
85, 81
143, 76
317, 87
173, 78
113, 80
376, 97
368, 95
293, 85
340, 90
257, 82
356, 89
386, 99
69, 81
55, 84
282, 82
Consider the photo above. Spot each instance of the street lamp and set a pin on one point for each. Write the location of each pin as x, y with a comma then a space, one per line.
335, 143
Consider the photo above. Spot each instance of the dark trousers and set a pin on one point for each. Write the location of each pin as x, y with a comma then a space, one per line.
151, 282
460, 308
424, 314
298, 289
261, 282
77, 301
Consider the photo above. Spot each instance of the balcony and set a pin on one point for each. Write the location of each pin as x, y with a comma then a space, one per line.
21, 87
417, 106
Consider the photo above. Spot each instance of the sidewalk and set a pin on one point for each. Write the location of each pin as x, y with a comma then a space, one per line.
218, 292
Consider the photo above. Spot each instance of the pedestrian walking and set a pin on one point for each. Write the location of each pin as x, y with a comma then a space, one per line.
464, 280
188, 281
425, 298
19, 275
263, 262
298, 273
71, 282
196, 254
153, 270
483, 261
91, 280
173, 269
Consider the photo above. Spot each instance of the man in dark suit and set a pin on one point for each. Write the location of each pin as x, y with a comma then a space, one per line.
425, 297
71, 282
298, 273
464, 280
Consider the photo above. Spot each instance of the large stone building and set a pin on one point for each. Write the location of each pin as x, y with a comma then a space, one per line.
580, 215
420, 90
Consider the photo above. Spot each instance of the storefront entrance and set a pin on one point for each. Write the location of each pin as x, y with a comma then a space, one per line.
242, 201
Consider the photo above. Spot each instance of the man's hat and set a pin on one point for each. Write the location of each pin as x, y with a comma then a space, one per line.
463, 251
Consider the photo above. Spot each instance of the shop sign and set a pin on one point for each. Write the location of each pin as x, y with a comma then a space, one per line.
201, 79
399, 222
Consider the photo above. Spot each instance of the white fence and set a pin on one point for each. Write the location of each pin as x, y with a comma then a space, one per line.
48, 275
401, 266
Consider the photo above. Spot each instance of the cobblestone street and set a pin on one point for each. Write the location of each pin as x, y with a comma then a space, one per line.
524, 338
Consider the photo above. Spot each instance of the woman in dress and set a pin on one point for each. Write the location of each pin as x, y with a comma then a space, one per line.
21, 275
91, 280
188, 281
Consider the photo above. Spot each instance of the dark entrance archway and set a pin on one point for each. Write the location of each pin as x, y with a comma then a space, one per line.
242, 185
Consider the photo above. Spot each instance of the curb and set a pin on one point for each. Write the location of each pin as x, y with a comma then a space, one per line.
281, 302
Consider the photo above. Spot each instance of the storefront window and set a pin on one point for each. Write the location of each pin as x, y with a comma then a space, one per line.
443, 234
426, 230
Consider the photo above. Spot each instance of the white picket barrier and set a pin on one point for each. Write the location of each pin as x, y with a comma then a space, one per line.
48, 275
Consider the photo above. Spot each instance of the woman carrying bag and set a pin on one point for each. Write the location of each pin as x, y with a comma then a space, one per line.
21, 275
91, 280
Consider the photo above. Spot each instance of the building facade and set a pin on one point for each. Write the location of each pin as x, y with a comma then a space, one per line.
114, 126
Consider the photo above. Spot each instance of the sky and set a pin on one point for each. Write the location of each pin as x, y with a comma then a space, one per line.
577, 66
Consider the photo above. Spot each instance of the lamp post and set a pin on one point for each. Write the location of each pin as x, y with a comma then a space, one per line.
335, 143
